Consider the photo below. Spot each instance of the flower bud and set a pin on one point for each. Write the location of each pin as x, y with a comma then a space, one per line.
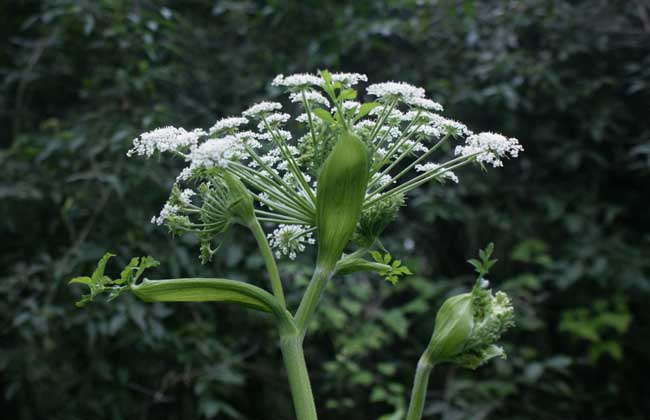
341, 189
468, 326
454, 324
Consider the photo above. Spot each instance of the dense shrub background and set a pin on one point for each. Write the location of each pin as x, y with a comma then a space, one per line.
570, 218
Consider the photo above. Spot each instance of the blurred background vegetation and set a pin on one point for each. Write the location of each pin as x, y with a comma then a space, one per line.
570, 218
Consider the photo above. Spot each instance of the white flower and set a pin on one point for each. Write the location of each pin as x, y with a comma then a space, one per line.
302, 118
164, 139
167, 211
297, 80
413, 146
423, 103
428, 167
349, 79
311, 96
261, 108
447, 126
249, 138
394, 117
283, 134
185, 174
381, 180
428, 131
490, 147
351, 105
185, 196
273, 120
400, 90
216, 153
227, 123
289, 240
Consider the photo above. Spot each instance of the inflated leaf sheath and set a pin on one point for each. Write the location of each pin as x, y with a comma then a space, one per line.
341, 189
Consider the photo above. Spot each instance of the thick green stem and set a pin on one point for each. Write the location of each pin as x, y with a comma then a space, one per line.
419, 392
311, 297
269, 260
294, 362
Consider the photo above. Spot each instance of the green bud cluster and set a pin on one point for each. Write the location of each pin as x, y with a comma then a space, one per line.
374, 219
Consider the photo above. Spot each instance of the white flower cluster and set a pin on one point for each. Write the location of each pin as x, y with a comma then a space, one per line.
423, 103
261, 108
402, 129
289, 240
349, 79
164, 139
401, 90
227, 124
490, 148
216, 152
297, 80
167, 211
304, 80
310, 96
445, 174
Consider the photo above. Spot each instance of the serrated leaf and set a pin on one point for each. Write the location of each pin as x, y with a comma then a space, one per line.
126, 275
324, 115
347, 94
365, 110
376, 256
81, 280
98, 275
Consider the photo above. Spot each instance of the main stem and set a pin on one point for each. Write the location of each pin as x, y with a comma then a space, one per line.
419, 392
294, 362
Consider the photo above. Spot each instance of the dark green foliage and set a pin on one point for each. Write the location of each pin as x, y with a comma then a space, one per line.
570, 217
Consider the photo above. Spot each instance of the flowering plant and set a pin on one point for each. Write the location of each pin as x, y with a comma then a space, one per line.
334, 181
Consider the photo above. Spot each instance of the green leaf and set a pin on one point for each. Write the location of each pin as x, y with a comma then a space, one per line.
98, 275
324, 115
81, 280
365, 110
358, 265
210, 290
347, 94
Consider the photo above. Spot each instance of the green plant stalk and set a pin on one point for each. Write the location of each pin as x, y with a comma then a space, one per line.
294, 362
269, 260
312, 295
419, 391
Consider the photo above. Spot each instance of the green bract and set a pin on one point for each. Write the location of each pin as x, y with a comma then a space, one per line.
341, 190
